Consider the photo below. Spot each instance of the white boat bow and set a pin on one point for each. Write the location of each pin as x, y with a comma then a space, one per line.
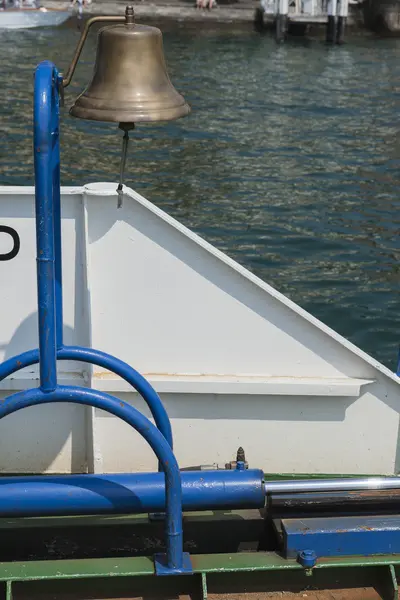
235, 362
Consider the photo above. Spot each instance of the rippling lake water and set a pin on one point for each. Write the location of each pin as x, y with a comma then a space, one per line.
289, 162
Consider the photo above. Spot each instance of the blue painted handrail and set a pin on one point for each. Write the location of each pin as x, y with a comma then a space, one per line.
100, 359
45, 135
160, 446
51, 348
47, 186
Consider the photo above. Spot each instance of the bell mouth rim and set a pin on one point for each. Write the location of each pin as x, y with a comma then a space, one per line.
128, 116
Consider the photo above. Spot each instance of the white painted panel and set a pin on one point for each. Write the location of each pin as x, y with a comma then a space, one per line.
236, 363
44, 439
50, 438
229, 384
307, 435
18, 299
167, 302
178, 310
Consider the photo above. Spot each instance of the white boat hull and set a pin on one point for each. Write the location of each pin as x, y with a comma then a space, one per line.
28, 19
235, 362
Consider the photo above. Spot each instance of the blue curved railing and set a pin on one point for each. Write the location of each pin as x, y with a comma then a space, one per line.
51, 348
107, 361
160, 446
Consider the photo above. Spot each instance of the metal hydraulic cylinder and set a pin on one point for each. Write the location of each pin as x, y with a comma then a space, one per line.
334, 503
127, 493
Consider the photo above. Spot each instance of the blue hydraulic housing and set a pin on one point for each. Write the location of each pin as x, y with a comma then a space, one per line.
128, 493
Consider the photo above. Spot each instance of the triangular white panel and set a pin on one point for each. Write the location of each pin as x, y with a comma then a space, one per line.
235, 362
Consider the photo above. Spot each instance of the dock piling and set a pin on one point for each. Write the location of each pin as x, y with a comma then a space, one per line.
331, 24
281, 22
343, 10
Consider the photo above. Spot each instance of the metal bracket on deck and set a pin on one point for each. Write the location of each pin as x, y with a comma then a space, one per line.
162, 567
204, 586
9, 594
388, 587
342, 536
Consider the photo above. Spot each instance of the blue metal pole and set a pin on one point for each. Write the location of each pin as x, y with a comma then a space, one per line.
101, 359
57, 220
88, 397
45, 105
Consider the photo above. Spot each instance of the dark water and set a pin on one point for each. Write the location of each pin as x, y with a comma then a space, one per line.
289, 162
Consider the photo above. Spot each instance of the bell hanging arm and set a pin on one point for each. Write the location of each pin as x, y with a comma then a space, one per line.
127, 18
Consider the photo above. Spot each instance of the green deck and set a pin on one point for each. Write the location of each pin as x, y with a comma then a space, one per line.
378, 569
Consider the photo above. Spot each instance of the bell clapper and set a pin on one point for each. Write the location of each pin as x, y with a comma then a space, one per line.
126, 127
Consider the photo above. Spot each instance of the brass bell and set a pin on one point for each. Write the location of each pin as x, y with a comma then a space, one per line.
130, 81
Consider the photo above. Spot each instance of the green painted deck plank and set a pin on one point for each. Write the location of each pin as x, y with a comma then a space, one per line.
359, 561
207, 563
76, 569
270, 561
128, 567
242, 561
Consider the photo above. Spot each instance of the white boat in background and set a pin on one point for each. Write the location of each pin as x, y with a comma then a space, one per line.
235, 362
16, 16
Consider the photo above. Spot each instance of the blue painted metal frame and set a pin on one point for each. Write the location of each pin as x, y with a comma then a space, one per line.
100, 359
341, 536
49, 286
127, 493
45, 136
151, 434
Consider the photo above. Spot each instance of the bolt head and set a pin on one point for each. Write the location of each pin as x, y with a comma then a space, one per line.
308, 554
307, 558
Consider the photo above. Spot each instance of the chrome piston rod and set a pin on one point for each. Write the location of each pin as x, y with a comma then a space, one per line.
351, 484
361, 502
